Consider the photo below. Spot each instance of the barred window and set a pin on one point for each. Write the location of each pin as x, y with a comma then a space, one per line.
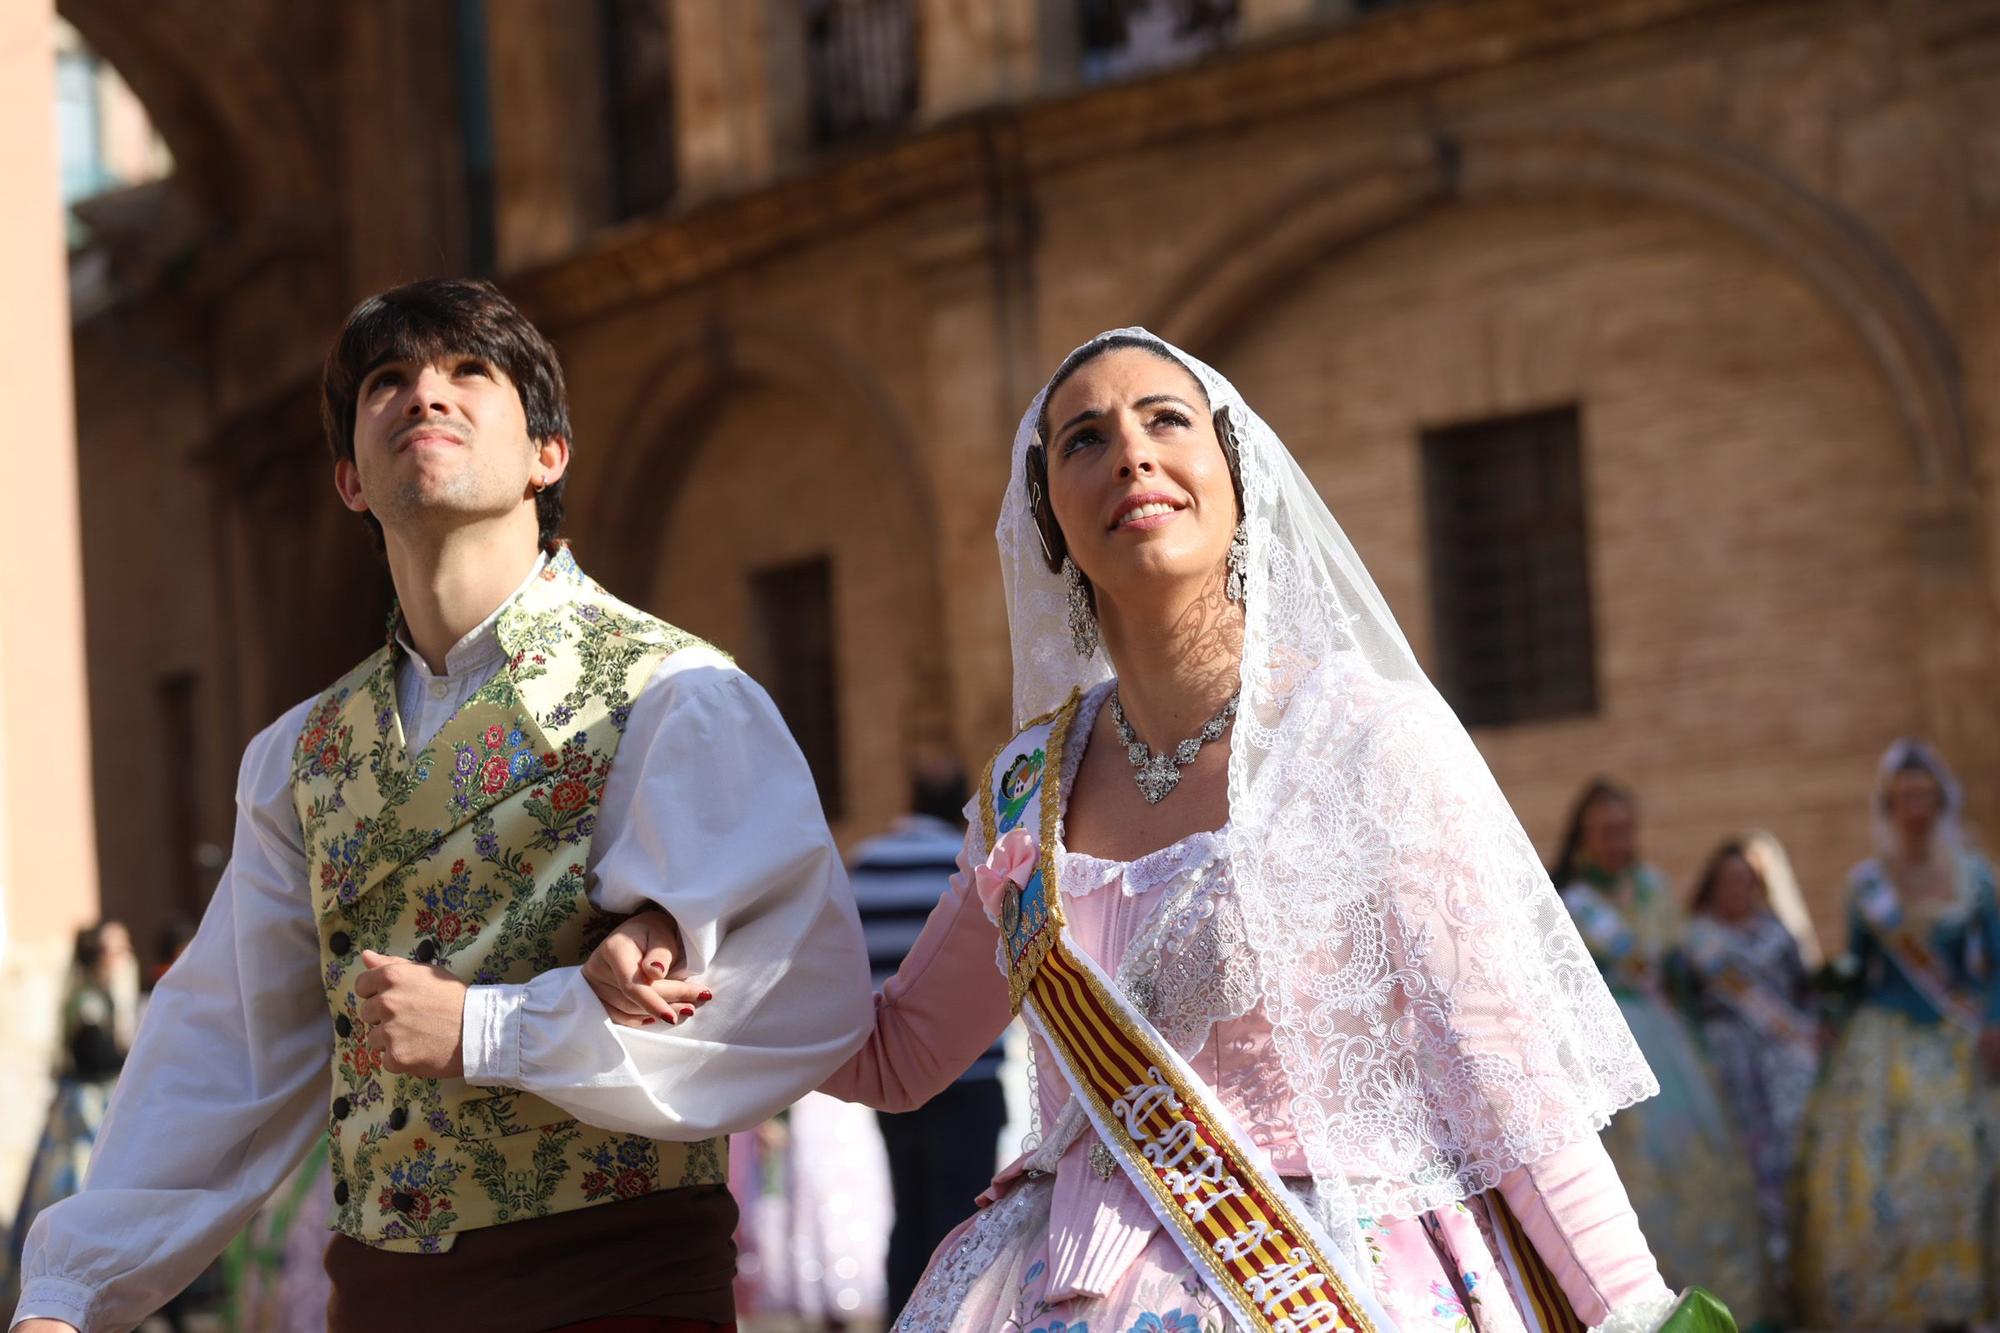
639, 105
1510, 576
862, 59
792, 616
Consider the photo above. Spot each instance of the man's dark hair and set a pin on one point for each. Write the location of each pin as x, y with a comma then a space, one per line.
938, 790
433, 319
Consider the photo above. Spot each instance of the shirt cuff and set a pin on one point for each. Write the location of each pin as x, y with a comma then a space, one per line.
492, 1035
55, 1298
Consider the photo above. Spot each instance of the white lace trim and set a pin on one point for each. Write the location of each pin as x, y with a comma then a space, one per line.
1643, 1316
935, 1304
1084, 874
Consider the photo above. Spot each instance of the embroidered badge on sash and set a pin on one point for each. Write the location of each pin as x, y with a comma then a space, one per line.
1030, 916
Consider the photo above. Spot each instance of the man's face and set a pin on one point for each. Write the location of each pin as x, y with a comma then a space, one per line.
441, 443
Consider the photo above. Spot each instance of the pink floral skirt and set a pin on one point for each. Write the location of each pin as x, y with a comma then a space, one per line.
1434, 1274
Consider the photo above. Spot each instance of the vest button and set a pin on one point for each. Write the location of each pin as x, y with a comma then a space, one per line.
427, 951
340, 1193
402, 1202
399, 1117
342, 1026
340, 1108
341, 944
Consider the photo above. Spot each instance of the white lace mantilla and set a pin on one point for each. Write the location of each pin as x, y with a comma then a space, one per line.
1435, 1014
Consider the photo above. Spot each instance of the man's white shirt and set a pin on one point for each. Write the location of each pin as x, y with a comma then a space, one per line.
709, 812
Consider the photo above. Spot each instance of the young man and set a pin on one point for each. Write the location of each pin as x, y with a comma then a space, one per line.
424, 856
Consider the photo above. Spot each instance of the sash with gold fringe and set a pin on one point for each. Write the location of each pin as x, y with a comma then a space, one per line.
1912, 955
1260, 1253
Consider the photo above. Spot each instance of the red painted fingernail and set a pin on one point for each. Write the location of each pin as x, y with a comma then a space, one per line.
670, 1018
687, 1013
659, 968
646, 1023
707, 995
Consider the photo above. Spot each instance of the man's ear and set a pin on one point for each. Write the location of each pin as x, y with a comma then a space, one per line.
347, 481
551, 461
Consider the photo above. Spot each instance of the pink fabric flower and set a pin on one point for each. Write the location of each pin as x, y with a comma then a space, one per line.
1012, 861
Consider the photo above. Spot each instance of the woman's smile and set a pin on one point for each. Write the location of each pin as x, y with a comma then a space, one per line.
1144, 512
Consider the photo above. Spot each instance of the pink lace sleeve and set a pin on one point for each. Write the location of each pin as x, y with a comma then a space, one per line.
1573, 1208
942, 1009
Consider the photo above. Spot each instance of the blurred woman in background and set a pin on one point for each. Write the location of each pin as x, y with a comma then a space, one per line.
1903, 1135
99, 1015
1678, 1154
1757, 1022
1767, 856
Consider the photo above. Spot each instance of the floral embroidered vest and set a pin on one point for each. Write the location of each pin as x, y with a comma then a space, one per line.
471, 853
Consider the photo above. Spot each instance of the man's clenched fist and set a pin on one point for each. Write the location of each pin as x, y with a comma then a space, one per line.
415, 1014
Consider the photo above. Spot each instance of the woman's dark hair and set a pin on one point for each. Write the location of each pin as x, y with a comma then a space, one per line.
1600, 789
429, 321
88, 952
1054, 548
1704, 888
1916, 761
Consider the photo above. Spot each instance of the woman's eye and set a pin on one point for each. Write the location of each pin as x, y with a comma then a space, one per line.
1079, 440
1173, 418
474, 368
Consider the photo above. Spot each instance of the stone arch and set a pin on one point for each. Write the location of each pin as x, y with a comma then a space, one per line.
695, 374
695, 402
1830, 249
1739, 617
241, 142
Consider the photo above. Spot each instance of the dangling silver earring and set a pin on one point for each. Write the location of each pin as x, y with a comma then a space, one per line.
1082, 620
1239, 564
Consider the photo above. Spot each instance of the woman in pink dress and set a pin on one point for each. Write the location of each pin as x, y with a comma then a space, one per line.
1281, 846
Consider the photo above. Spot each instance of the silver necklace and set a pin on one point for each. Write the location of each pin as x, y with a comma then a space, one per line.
1160, 773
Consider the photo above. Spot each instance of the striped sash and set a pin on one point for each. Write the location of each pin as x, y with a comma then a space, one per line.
1538, 1296
1260, 1254
1912, 955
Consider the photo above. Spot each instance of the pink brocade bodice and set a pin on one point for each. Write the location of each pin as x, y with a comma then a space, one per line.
1098, 1225
1195, 976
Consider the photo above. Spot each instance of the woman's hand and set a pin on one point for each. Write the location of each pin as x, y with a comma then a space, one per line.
629, 973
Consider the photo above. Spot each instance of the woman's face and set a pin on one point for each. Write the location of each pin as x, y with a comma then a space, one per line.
1137, 478
1915, 802
1611, 835
1737, 893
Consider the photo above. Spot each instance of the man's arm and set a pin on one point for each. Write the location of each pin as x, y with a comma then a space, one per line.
710, 814
223, 1093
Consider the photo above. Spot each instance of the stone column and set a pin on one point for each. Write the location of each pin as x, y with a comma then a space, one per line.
551, 134
48, 846
730, 103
